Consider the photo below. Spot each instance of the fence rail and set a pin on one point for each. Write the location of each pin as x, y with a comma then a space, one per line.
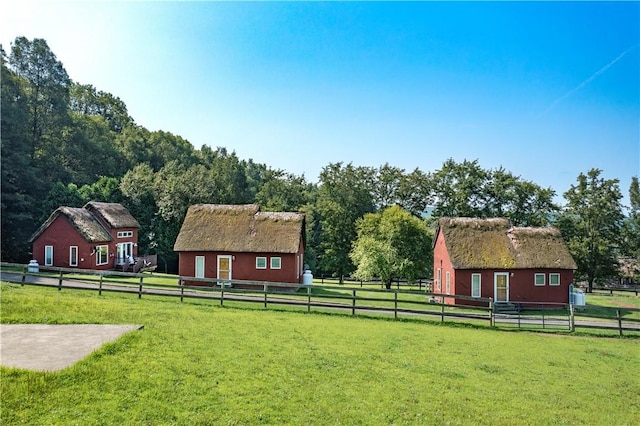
353, 300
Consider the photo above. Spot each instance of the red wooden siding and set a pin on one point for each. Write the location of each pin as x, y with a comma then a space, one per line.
62, 235
243, 266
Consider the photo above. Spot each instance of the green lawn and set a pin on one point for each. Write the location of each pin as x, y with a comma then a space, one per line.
199, 363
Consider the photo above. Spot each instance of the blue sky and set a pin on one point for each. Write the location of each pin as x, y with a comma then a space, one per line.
545, 89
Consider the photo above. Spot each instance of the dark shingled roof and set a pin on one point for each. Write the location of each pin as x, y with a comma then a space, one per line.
82, 220
239, 228
492, 243
114, 214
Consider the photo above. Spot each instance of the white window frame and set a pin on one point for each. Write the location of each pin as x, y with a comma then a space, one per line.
73, 255
264, 259
125, 234
48, 259
476, 287
535, 280
554, 275
199, 266
275, 262
99, 250
448, 282
439, 280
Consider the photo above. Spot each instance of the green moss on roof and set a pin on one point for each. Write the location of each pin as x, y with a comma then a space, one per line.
239, 228
494, 244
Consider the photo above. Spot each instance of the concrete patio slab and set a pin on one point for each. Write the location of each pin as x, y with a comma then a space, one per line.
44, 347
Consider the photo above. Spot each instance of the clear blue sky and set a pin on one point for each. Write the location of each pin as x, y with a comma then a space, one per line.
545, 89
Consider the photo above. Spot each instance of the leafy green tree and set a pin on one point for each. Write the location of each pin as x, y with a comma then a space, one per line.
392, 244
416, 192
387, 186
20, 186
46, 87
466, 189
344, 195
282, 191
86, 100
631, 226
591, 223
458, 189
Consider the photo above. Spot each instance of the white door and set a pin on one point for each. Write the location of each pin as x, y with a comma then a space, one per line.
501, 286
124, 251
199, 267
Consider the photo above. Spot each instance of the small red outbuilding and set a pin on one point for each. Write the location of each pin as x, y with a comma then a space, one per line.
490, 258
240, 242
97, 236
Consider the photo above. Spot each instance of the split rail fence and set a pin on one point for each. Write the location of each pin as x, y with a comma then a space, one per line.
352, 300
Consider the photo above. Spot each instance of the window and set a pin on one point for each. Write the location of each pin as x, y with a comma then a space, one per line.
539, 279
125, 234
275, 263
261, 263
48, 255
554, 279
448, 283
439, 280
475, 285
73, 256
102, 255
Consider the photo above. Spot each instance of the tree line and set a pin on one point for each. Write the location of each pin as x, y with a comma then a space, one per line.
67, 143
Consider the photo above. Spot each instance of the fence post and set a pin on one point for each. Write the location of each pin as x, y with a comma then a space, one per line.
222, 296
543, 317
308, 298
442, 311
572, 320
491, 319
265, 294
60, 281
619, 321
100, 285
395, 305
140, 289
353, 303
181, 289
24, 275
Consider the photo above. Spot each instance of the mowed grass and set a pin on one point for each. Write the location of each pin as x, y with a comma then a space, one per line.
199, 363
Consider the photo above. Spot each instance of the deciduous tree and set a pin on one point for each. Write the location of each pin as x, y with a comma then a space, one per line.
591, 224
392, 243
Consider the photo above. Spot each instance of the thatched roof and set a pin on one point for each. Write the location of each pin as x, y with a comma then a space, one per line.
239, 228
82, 220
492, 243
114, 214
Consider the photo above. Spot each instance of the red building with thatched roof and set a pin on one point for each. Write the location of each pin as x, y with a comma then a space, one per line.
240, 242
97, 236
490, 258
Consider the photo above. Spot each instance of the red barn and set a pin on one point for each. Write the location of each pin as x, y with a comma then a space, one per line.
96, 236
240, 242
490, 258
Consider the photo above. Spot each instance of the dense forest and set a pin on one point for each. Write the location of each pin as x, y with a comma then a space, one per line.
67, 143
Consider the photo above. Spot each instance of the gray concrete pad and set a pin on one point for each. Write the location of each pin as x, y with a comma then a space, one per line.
44, 347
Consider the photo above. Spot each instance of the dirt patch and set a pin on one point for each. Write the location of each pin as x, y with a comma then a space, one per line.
44, 347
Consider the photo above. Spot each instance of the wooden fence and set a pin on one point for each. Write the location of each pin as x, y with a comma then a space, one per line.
353, 300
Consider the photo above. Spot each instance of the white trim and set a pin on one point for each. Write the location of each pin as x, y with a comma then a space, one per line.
535, 280
220, 257
106, 255
448, 282
495, 286
439, 280
477, 293
73, 258
125, 234
264, 258
199, 267
557, 275
279, 261
48, 259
